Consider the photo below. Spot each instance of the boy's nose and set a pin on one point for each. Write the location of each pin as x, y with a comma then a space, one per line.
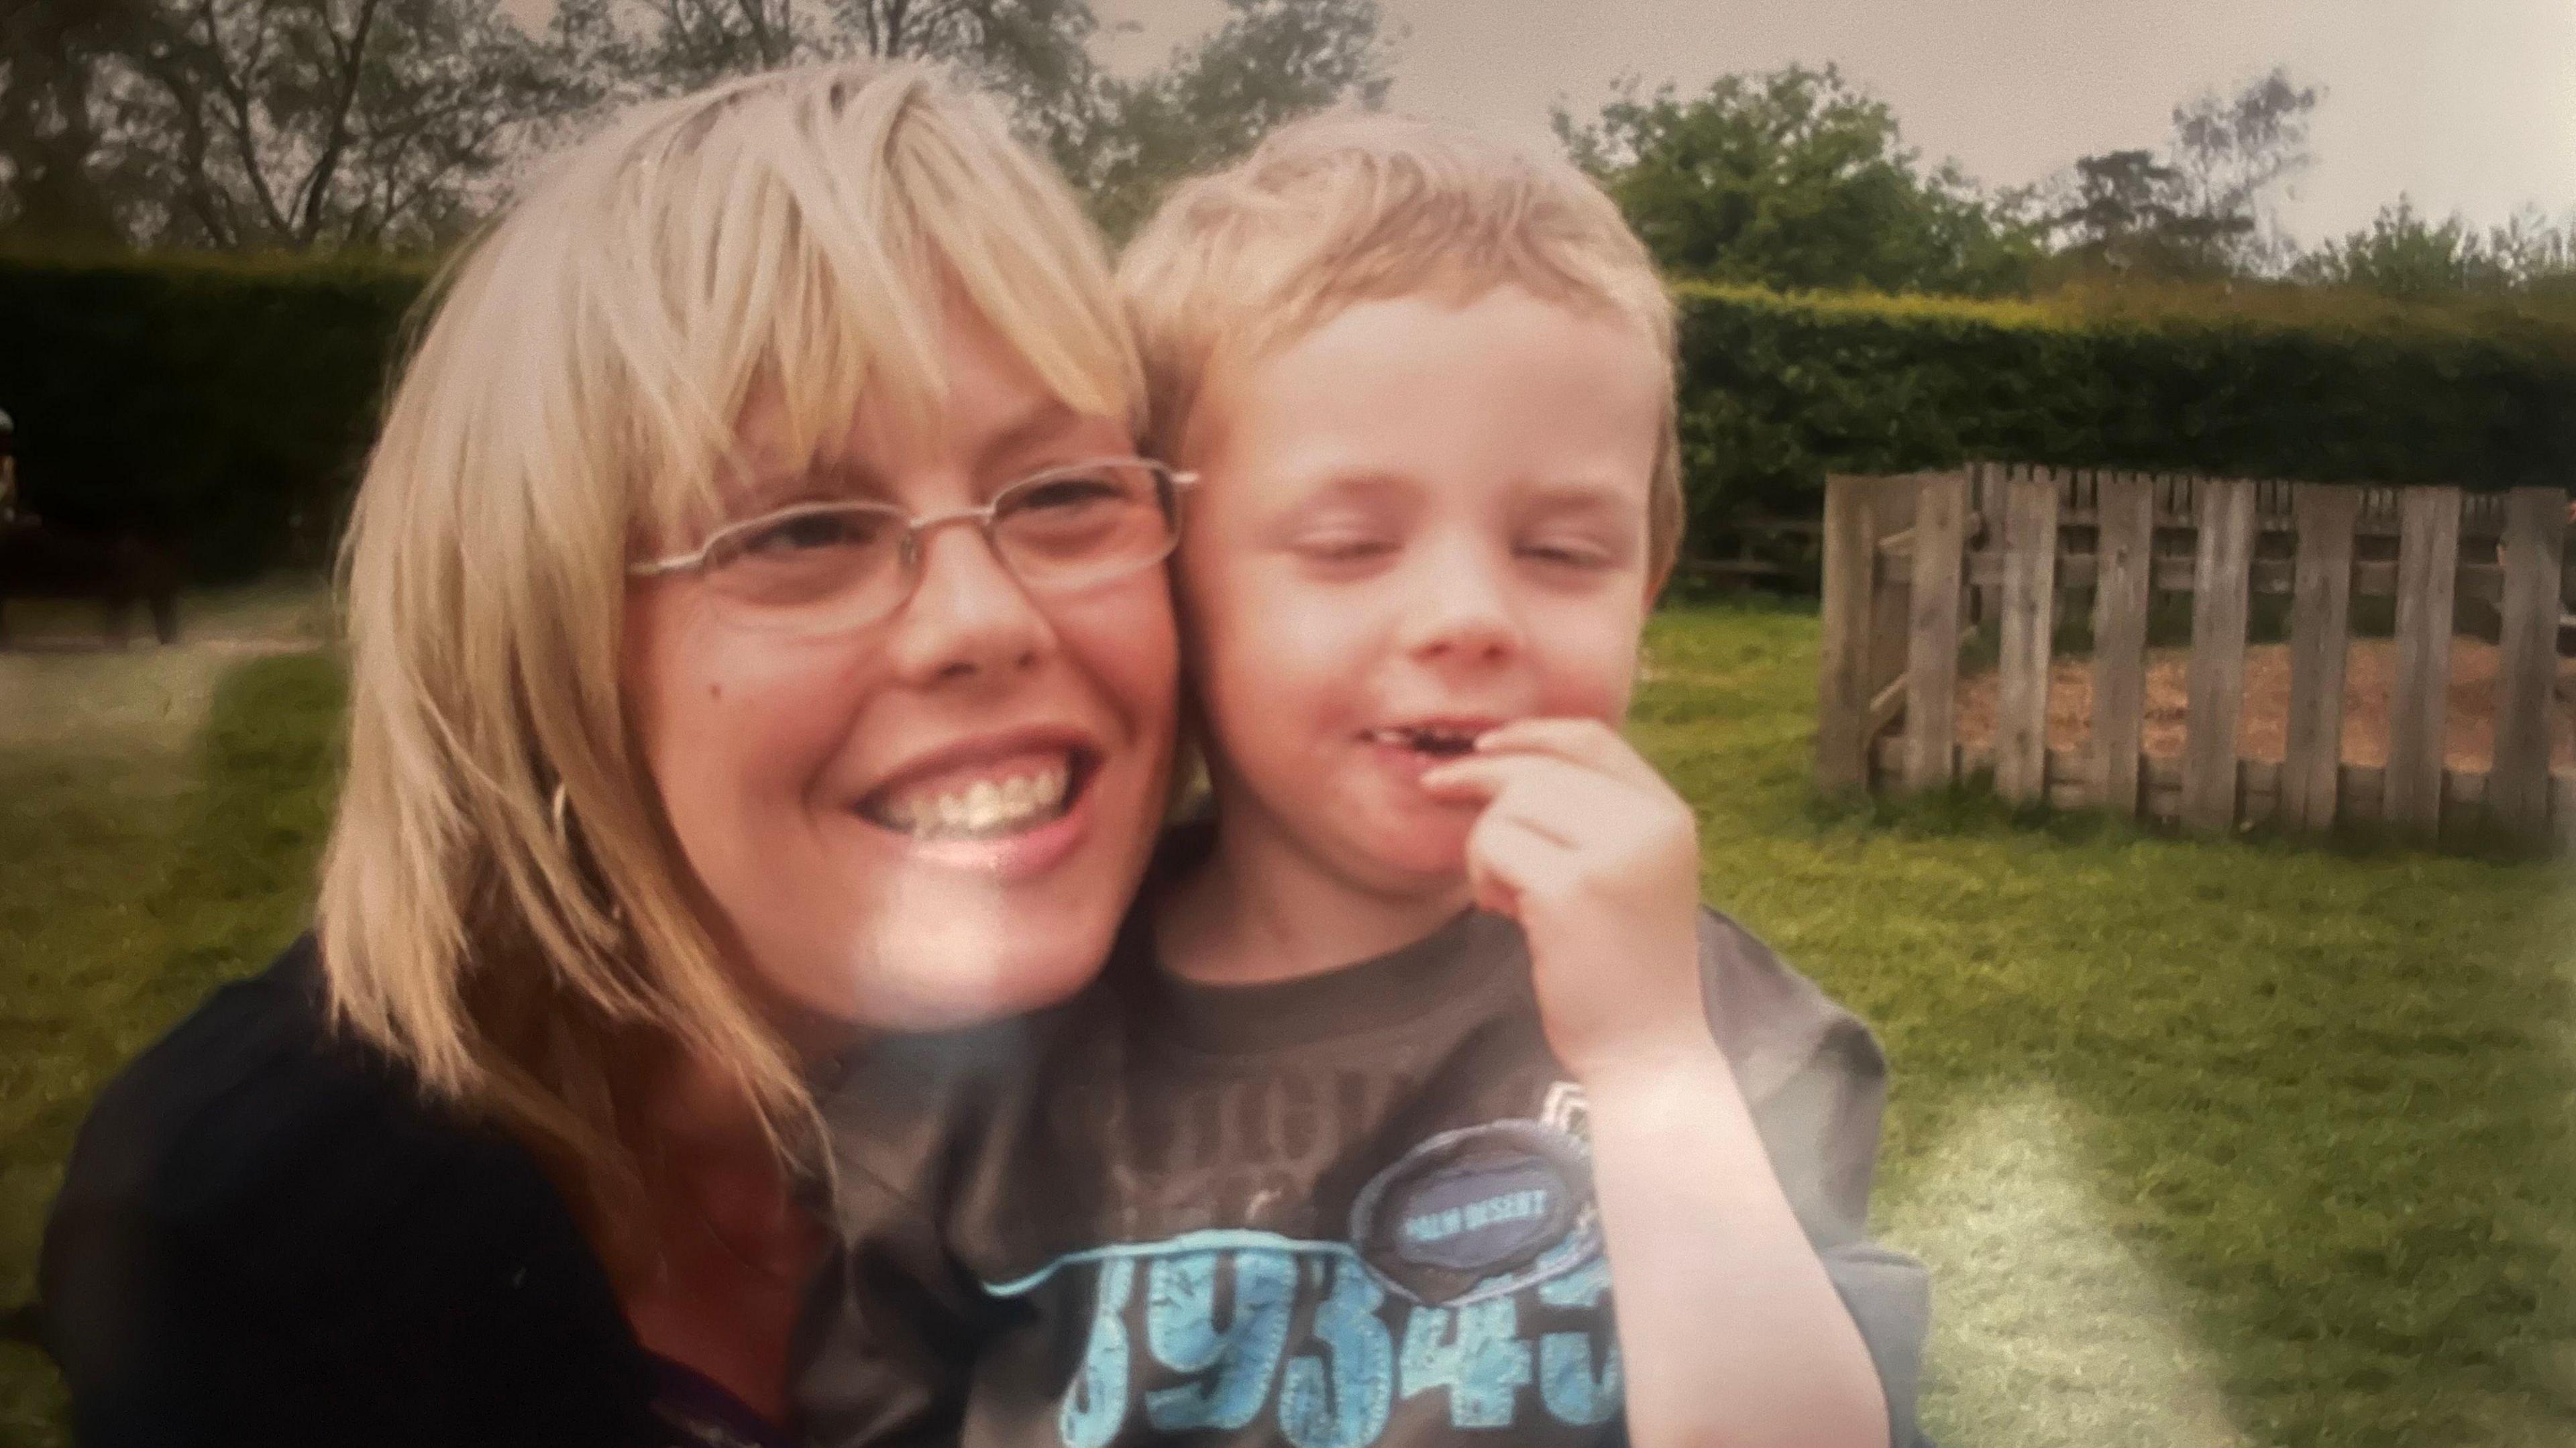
1461, 609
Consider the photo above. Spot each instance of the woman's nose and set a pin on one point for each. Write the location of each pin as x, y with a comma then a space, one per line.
968, 616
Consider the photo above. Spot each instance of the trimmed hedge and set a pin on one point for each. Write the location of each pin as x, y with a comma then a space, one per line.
1779, 390
229, 405
226, 407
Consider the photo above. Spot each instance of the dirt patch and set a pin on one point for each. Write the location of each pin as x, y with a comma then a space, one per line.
2370, 671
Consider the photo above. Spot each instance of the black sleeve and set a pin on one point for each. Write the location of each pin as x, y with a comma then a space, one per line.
887, 1346
260, 1241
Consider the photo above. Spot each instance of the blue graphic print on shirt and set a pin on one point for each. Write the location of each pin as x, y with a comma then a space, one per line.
1213, 1330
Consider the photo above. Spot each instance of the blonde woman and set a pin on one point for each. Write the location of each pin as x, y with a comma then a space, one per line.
757, 640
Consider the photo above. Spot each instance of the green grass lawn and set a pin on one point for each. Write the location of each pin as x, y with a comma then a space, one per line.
2207, 1142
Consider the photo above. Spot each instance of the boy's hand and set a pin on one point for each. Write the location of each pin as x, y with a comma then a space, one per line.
1586, 846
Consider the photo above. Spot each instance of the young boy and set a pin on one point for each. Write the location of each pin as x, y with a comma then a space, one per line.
1423, 1052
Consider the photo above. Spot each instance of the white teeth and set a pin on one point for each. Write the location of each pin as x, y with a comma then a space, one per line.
985, 807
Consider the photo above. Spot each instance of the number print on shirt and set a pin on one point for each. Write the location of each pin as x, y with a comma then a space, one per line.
1237, 1361
1303, 1332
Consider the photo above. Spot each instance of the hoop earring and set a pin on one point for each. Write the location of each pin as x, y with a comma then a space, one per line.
559, 812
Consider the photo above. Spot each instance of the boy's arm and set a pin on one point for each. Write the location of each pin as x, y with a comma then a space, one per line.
1731, 1328
1731, 1331
1816, 1083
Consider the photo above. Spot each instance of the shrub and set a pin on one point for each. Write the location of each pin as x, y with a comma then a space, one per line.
229, 405
1777, 391
224, 406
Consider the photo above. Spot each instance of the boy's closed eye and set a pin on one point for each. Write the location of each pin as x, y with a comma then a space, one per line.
1349, 524
1572, 554
1340, 542
1581, 529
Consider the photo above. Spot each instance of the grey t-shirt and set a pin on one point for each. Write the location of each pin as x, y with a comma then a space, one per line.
1345, 1210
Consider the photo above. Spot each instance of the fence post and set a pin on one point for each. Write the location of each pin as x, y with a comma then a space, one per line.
2320, 639
2220, 582
1842, 696
2535, 535
1891, 522
2126, 512
2029, 608
2428, 565
1932, 650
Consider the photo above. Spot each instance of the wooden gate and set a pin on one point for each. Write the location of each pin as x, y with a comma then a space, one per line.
1913, 564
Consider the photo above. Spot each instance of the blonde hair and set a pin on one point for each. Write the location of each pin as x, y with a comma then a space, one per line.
1345, 208
575, 394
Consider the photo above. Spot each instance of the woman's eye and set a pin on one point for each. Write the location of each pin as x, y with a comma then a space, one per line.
1069, 495
813, 532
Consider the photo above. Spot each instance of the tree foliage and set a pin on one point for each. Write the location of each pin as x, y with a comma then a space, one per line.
2203, 208
1795, 180
2404, 253
1032, 52
317, 124
59, 185
389, 124
260, 124
1210, 102
2127, 211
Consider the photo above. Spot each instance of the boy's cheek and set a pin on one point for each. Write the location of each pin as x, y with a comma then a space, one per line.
1588, 659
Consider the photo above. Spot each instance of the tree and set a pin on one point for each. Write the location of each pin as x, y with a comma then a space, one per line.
270, 124
56, 187
2202, 209
391, 124
1030, 51
2403, 253
315, 124
2229, 152
2126, 211
1120, 142
1795, 180
1210, 103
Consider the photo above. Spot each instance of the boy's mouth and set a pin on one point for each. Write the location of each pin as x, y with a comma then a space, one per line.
1440, 739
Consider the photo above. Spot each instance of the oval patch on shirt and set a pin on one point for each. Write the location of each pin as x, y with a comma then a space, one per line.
1478, 1211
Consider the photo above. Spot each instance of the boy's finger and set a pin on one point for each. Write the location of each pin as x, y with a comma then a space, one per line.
1587, 742
1506, 857
1492, 894
1567, 802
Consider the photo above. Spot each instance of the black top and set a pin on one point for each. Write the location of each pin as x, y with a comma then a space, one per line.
268, 1235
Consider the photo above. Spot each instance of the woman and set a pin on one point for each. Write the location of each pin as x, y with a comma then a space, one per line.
756, 640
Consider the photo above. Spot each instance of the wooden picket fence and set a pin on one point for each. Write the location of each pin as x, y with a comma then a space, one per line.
1912, 564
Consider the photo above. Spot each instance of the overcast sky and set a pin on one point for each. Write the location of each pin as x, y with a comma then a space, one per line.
2465, 105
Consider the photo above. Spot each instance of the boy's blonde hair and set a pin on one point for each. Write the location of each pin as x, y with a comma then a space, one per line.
503, 905
1346, 208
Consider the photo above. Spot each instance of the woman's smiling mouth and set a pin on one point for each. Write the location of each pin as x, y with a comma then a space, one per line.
981, 804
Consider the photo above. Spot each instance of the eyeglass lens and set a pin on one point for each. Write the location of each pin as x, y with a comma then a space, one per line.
839, 564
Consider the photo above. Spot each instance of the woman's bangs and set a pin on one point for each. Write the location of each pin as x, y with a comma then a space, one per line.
820, 294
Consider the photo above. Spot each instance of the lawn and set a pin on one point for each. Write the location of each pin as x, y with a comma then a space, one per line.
2208, 1143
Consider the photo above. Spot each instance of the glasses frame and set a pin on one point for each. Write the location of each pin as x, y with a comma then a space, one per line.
1175, 482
